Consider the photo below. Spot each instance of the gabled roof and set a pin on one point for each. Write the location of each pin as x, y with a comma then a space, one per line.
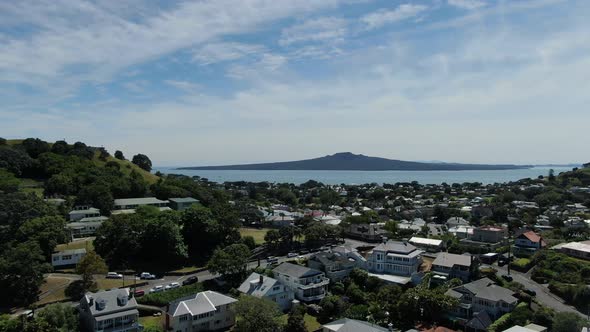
532, 236
296, 271
450, 260
486, 289
110, 300
199, 303
353, 325
183, 200
138, 201
396, 247
480, 321
252, 285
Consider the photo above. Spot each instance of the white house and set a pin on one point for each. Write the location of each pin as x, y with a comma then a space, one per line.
307, 284
78, 214
205, 311
86, 228
395, 258
352, 325
265, 287
113, 310
483, 295
67, 257
128, 205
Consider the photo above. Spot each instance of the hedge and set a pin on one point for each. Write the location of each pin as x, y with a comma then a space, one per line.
163, 298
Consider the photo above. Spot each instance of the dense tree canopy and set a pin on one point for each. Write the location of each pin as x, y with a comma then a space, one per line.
142, 161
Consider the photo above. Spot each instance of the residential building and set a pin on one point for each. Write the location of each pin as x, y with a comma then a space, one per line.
456, 222
205, 311
528, 328
372, 232
489, 234
575, 249
265, 287
450, 266
134, 203
307, 284
67, 257
109, 311
352, 325
432, 245
395, 258
181, 204
82, 229
76, 215
338, 263
483, 295
528, 243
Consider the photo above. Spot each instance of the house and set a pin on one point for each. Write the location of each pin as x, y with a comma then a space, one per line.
338, 263
479, 322
181, 204
456, 222
82, 229
67, 257
528, 242
124, 204
462, 232
204, 311
575, 249
528, 328
265, 287
450, 266
482, 295
111, 310
352, 325
307, 284
372, 232
394, 258
489, 234
76, 215
431, 245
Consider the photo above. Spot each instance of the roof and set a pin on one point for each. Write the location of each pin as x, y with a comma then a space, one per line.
83, 224
425, 241
396, 247
89, 210
353, 325
480, 321
199, 303
528, 328
450, 260
296, 271
70, 252
252, 285
138, 201
110, 300
577, 246
531, 236
184, 200
486, 289
92, 219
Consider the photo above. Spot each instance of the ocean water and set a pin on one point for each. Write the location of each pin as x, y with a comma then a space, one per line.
361, 177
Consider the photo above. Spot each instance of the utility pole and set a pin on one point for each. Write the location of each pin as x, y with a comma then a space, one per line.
509, 251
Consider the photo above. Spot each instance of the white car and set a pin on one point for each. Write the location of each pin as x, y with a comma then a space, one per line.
291, 255
114, 275
157, 289
147, 275
172, 285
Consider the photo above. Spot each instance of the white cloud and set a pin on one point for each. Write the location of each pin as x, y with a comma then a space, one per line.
384, 16
323, 29
227, 51
467, 4
185, 86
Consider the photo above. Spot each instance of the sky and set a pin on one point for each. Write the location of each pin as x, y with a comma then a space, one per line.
215, 82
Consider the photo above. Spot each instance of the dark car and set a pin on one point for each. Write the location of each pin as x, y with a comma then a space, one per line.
190, 280
530, 292
507, 277
139, 293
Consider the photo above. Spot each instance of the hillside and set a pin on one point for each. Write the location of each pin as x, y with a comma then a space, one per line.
358, 162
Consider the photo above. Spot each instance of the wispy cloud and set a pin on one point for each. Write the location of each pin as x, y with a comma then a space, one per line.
467, 4
386, 16
185, 86
323, 29
227, 51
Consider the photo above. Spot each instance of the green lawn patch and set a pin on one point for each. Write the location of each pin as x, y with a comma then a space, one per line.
155, 323
87, 244
311, 323
257, 234
165, 297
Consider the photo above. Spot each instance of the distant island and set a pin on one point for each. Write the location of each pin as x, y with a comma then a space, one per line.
346, 161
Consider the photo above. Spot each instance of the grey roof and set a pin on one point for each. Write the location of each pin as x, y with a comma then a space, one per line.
327, 258
199, 303
92, 219
138, 201
353, 325
83, 224
450, 260
252, 285
184, 200
486, 289
71, 252
296, 271
89, 210
110, 300
396, 247
480, 321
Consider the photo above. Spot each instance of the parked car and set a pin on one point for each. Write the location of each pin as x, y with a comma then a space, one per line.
172, 285
272, 260
190, 280
291, 255
530, 292
147, 275
139, 293
507, 277
157, 289
304, 252
114, 275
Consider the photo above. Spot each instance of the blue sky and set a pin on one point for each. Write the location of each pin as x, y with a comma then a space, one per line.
226, 81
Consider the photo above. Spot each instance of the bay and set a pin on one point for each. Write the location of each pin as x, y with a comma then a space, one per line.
361, 177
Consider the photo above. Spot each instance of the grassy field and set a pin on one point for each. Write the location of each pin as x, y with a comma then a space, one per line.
104, 283
151, 321
53, 290
127, 167
77, 244
257, 234
188, 269
311, 323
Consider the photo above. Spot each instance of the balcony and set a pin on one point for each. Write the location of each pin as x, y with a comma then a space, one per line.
312, 297
323, 282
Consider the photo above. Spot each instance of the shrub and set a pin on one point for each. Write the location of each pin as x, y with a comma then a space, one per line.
165, 297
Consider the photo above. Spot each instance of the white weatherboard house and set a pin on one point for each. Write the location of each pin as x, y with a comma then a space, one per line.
205, 311
76, 215
394, 258
265, 287
307, 284
113, 311
67, 257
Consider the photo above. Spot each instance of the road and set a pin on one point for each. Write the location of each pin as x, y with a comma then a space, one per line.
544, 296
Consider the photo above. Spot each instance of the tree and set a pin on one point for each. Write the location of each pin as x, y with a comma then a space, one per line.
47, 231
15, 161
34, 147
255, 314
98, 196
60, 184
272, 239
567, 322
295, 322
392, 229
119, 155
332, 308
60, 316
551, 175
60, 147
8, 182
230, 261
2, 141
142, 161
249, 242
21, 273
88, 266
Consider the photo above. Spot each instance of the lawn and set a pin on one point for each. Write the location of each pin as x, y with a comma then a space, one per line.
151, 322
188, 269
127, 167
311, 323
53, 290
86, 243
257, 234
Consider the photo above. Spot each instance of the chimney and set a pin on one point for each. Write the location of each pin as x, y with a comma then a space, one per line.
261, 279
90, 300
